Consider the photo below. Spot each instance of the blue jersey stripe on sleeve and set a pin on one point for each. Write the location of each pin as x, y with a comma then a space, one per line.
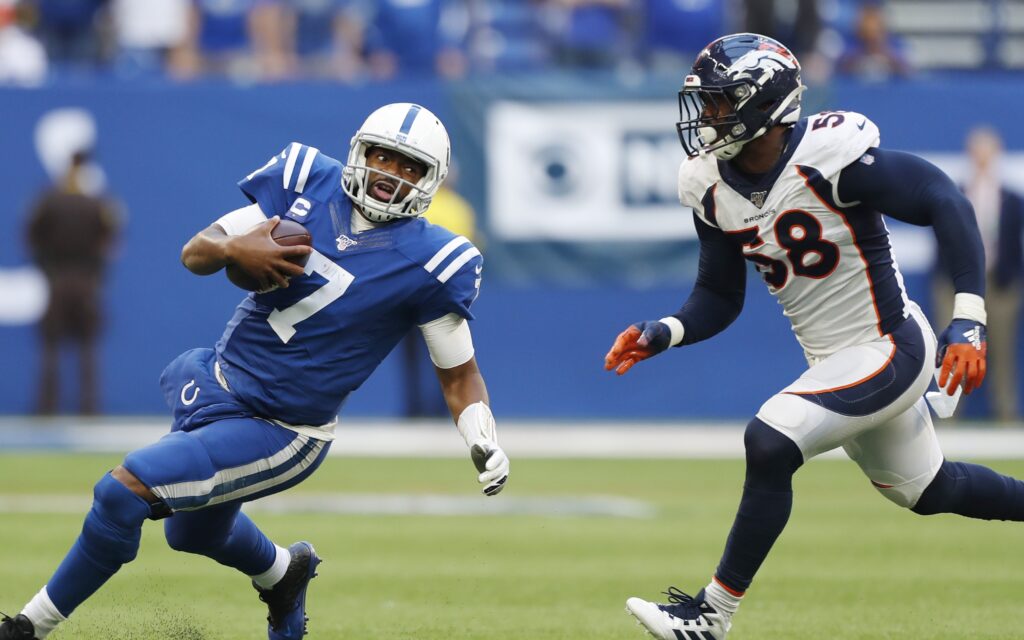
457, 264
307, 164
445, 251
289, 167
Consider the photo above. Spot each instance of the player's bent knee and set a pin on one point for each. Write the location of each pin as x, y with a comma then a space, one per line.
182, 536
114, 524
769, 450
905, 495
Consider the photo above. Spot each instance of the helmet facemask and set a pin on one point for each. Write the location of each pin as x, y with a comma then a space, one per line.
740, 87
358, 178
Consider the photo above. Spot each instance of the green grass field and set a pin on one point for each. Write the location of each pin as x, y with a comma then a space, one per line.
850, 564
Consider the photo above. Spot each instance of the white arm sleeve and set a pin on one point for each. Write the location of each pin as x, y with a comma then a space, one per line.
239, 221
448, 341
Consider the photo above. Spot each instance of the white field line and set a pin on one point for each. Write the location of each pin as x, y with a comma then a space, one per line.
382, 504
521, 439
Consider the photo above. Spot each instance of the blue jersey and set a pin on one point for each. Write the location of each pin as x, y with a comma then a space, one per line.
294, 354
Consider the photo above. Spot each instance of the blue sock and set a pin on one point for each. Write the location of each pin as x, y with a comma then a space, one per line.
109, 539
974, 491
767, 500
224, 534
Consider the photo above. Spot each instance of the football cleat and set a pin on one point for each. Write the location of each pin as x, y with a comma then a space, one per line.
684, 618
286, 601
17, 628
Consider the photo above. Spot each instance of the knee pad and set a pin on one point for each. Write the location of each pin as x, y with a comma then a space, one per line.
905, 495
114, 524
770, 454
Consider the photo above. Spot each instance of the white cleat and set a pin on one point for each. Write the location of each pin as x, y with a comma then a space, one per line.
683, 618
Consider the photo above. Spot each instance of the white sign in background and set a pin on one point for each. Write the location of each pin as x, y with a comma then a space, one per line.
607, 171
585, 172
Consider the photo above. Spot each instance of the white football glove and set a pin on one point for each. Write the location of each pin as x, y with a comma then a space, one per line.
476, 424
492, 463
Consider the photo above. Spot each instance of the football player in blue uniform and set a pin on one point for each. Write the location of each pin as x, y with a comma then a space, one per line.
802, 199
256, 415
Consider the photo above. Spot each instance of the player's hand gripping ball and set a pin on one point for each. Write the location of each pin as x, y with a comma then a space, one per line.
262, 266
639, 342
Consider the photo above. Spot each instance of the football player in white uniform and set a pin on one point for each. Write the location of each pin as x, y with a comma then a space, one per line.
803, 200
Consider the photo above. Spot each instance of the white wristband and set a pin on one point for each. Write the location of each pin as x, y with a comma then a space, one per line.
676, 329
969, 306
476, 422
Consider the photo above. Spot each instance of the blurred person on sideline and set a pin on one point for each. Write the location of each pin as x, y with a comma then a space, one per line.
410, 37
874, 55
1000, 214
22, 58
147, 35
70, 235
423, 398
244, 40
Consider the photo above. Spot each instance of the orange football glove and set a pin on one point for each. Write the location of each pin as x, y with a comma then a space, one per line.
962, 350
639, 342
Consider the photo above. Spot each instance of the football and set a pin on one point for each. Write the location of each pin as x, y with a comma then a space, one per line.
287, 233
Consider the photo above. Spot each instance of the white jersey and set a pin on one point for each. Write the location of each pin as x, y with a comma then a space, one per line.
829, 263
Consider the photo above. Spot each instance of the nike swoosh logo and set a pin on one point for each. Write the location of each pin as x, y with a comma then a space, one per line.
861, 125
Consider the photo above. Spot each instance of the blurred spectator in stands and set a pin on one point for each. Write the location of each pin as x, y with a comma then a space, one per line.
423, 398
874, 54
246, 40
594, 34
148, 34
22, 57
1000, 215
327, 37
70, 30
416, 37
676, 30
70, 234
510, 35
798, 25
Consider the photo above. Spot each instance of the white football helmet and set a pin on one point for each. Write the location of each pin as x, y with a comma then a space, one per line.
411, 130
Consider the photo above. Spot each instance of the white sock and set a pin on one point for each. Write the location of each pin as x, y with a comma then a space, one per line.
273, 575
719, 597
43, 614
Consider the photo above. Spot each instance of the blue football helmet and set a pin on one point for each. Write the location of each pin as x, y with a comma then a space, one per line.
740, 86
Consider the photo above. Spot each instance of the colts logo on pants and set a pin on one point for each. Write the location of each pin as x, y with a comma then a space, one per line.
187, 399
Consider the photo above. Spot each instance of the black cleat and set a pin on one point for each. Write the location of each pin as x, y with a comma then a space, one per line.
287, 600
17, 628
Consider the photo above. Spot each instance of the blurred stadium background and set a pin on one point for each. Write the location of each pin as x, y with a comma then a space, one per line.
561, 115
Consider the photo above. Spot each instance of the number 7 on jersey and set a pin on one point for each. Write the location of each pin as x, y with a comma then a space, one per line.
283, 321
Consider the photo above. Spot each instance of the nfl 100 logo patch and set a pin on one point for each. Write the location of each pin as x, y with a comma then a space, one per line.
758, 198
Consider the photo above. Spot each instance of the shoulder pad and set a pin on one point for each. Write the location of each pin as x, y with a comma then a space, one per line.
834, 139
696, 176
298, 170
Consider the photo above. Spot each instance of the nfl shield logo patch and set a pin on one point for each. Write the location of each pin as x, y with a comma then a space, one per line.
757, 198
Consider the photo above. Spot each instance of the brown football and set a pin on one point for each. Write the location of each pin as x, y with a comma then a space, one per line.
287, 233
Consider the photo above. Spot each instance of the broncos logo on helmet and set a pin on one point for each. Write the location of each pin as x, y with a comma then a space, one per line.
741, 86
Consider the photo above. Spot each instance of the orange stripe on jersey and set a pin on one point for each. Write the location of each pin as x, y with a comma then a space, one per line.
892, 354
853, 235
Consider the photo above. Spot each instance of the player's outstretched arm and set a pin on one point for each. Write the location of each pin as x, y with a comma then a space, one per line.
716, 300
450, 344
466, 395
254, 251
913, 190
